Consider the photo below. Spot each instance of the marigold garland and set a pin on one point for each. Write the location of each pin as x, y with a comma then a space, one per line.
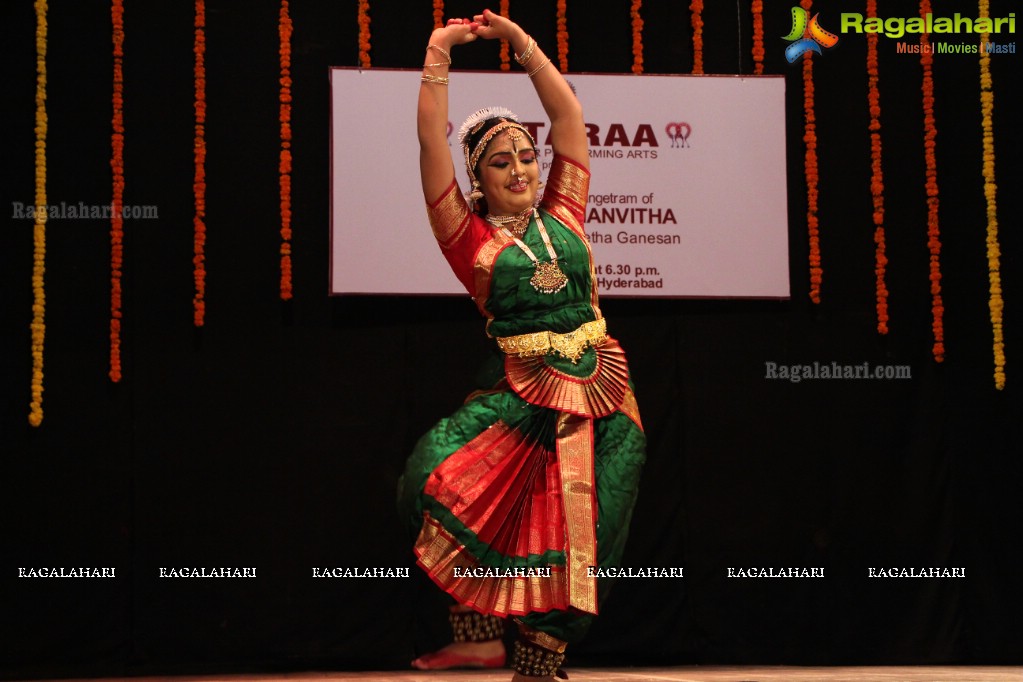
117, 202
505, 53
285, 30
637, 37
995, 302
199, 178
810, 169
697, 9
758, 36
933, 231
364, 44
438, 13
877, 177
38, 327
563, 36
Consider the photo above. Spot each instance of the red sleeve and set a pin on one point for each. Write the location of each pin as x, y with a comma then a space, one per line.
568, 186
458, 232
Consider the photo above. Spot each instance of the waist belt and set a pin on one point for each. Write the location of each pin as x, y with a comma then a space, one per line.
570, 345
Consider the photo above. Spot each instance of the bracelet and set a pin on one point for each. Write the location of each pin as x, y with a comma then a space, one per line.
437, 64
527, 53
439, 80
537, 69
447, 55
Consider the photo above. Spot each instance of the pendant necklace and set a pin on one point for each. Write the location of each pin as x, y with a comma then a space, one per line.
547, 277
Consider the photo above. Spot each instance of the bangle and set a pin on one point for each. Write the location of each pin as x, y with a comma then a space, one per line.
439, 80
437, 64
447, 55
527, 53
537, 69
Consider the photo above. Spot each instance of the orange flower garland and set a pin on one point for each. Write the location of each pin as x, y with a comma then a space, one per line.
364, 43
877, 177
438, 13
933, 233
35, 415
199, 178
505, 56
758, 37
810, 169
697, 8
637, 37
995, 302
284, 30
117, 202
563, 36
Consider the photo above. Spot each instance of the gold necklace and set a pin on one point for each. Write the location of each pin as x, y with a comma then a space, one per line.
547, 277
517, 223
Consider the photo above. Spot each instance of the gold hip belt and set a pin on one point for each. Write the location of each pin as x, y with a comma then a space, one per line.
570, 345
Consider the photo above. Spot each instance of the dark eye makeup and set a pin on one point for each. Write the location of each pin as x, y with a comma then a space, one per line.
498, 159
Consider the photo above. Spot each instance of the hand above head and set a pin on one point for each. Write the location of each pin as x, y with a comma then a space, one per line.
456, 32
491, 26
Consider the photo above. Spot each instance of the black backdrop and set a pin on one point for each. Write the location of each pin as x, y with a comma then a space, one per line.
273, 436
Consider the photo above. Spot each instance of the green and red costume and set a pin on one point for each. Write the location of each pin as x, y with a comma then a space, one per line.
540, 469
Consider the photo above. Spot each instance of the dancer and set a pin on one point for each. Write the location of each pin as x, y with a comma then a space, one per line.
519, 494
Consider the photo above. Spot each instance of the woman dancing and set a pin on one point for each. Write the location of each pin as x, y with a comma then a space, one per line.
527, 488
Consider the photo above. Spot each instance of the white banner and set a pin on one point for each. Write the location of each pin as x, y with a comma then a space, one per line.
687, 197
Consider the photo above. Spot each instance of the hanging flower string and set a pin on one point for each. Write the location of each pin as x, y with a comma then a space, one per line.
117, 201
933, 232
637, 37
810, 169
199, 177
563, 36
877, 177
35, 415
758, 37
995, 303
505, 52
284, 30
438, 13
364, 44
697, 9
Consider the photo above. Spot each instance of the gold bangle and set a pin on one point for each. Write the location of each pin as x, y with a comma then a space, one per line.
437, 64
447, 55
537, 69
527, 53
439, 80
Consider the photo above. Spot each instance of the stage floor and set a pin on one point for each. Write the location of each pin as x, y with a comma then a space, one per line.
679, 674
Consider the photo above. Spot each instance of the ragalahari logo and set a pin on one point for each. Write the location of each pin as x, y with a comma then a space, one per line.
807, 35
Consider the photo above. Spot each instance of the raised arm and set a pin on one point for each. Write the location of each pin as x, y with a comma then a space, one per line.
435, 163
568, 128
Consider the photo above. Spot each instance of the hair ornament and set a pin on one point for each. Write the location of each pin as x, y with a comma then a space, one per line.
477, 119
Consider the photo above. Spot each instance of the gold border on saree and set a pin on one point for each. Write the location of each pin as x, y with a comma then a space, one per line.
571, 345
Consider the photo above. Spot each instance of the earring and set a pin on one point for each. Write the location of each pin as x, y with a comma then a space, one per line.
475, 195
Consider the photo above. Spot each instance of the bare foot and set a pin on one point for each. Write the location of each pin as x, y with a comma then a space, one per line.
464, 655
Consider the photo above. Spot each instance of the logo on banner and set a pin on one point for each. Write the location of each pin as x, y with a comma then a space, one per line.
806, 35
679, 133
